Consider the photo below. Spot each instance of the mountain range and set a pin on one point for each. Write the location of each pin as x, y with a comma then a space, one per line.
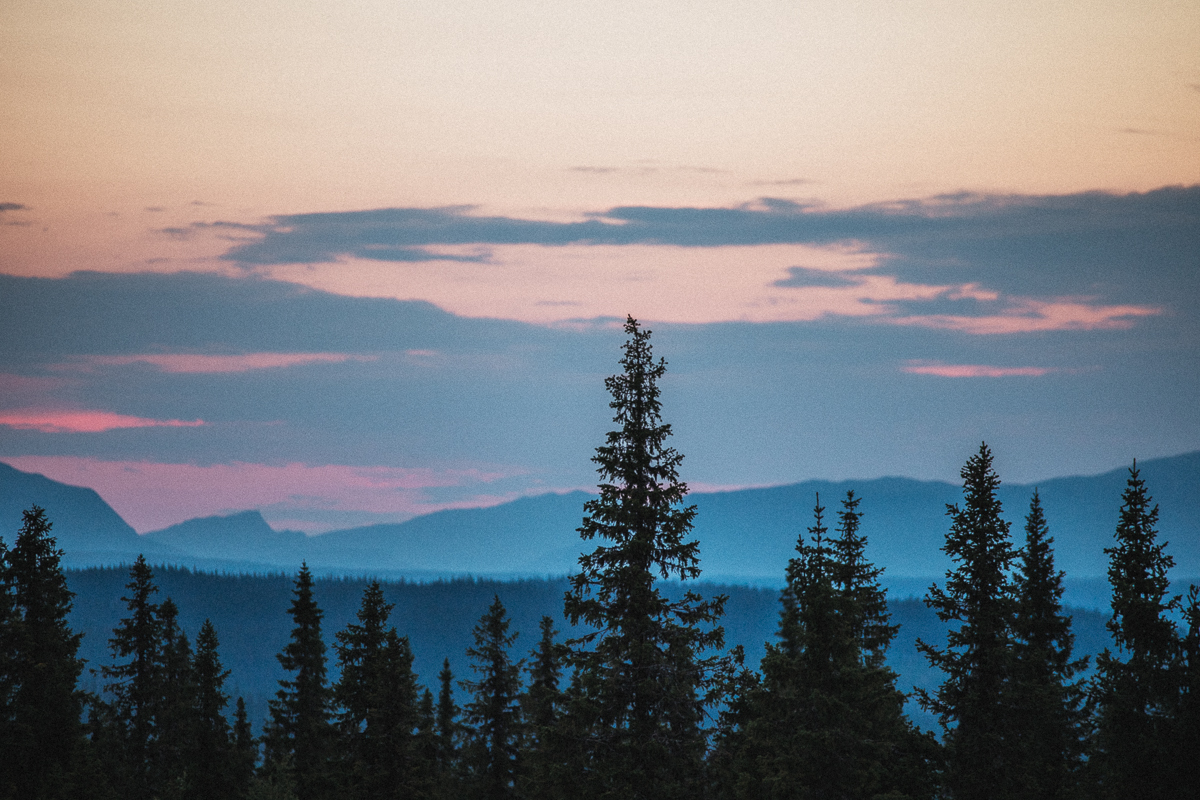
745, 536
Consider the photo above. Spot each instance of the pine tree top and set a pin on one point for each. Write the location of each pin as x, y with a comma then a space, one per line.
1138, 573
978, 542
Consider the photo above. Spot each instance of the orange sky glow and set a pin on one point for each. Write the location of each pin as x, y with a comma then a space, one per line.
125, 123
861, 199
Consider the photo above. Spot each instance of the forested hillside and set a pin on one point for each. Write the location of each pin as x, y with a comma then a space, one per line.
250, 616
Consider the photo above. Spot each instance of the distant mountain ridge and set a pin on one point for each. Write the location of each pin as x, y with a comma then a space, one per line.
745, 535
244, 535
85, 526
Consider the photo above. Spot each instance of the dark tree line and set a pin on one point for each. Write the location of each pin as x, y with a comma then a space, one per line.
641, 701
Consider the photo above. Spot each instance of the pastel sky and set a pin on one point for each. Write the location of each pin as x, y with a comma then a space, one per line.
352, 262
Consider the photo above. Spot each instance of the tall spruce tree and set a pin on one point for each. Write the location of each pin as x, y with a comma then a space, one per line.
299, 735
213, 762
644, 683
983, 756
377, 696
136, 687
41, 734
494, 712
1136, 687
1047, 700
826, 719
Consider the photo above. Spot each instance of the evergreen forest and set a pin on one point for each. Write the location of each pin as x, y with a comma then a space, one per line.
633, 691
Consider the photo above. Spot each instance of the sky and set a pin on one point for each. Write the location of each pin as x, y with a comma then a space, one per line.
351, 263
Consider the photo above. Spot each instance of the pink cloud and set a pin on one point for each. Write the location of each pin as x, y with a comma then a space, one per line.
1030, 316
151, 495
973, 370
84, 421
204, 363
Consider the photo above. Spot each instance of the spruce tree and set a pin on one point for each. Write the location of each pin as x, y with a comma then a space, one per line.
494, 713
213, 762
448, 731
826, 719
42, 735
176, 712
856, 581
245, 751
377, 696
894, 758
136, 685
545, 770
298, 737
427, 747
983, 759
1047, 701
1136, 687
645, 685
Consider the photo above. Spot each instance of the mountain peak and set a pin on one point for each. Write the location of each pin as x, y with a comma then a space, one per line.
241, 522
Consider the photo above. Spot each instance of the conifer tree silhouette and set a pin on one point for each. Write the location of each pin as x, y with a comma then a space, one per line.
245, 751
213, 769
983, 760
826, 718
298, 736
39, 665
494, 712
644, 684
377, 696
136, 686
856, 580
448, 731
176, 715
1136, 687
546, 773
1048, 701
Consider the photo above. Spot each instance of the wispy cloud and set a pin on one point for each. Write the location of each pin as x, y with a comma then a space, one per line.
783, 182
6, 207
1083, 261
648, 167
901, 226
208, 363
48, 421
1026, 315
973, 370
